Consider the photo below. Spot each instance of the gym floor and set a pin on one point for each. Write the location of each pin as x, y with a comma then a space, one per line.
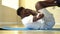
29, 32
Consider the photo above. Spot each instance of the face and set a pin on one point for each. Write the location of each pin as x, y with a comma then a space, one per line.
25, 12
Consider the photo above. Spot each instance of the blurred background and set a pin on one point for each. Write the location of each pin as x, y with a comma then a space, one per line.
8, 16
8, 11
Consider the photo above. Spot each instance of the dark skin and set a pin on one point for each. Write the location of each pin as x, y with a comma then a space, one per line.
27, 12
44, 4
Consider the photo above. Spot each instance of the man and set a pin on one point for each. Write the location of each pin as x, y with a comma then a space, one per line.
30, 18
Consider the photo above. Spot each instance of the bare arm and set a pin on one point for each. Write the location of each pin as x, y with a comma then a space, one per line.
35, 18
34, 13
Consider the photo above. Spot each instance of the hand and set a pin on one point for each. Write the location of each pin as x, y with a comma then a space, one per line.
40, 15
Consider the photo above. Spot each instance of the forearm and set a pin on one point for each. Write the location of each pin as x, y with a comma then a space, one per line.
37, 17
34, 13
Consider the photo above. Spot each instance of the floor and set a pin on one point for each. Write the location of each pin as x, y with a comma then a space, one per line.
29, 32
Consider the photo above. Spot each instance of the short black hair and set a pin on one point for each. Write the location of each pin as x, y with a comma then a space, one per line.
19, 10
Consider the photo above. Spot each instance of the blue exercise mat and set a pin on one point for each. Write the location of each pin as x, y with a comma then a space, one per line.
9, 28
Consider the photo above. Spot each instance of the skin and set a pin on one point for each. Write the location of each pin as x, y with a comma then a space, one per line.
49, 0
46, 3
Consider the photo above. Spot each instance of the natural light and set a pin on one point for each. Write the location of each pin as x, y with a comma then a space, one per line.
11, 3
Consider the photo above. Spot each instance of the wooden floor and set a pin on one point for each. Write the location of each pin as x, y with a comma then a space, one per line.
29, 32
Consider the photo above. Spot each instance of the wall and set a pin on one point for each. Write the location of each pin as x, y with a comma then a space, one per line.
8, 16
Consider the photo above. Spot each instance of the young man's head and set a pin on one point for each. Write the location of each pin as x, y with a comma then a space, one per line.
21, 11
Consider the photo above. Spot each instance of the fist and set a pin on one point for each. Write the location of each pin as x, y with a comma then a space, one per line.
40, 15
